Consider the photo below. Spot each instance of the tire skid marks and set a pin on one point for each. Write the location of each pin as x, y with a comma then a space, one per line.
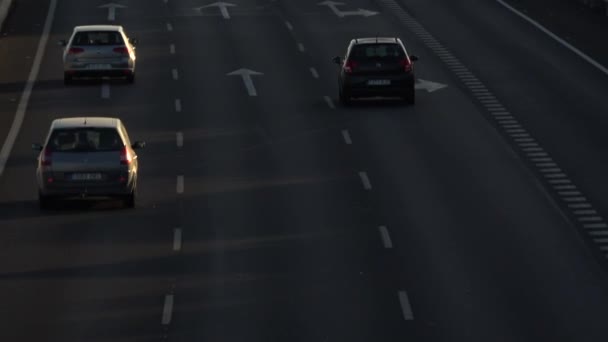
550, 172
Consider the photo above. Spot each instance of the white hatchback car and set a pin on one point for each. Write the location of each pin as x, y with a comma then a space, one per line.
99, 51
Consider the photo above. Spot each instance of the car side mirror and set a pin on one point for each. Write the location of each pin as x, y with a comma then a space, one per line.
337, 60
37, 147
133, 41
62, 43
413, 58
138, 144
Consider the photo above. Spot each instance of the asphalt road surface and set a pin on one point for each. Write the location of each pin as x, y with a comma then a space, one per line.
268, 212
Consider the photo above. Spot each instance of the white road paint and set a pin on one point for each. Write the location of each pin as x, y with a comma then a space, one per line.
172, 49
179, 187
27, 91
569, 193
346, 137
169, 27
579, 205
428, 85
301, 47
314, 72
112, 9
406, 307
367, 185
575, 199
585, 212
556, 38
105, 91
333, 5
289, 26
329, 101
595, 226
386, 238
590, 219
167, 310
175, 74
223, 6
179, 139
177, 239
598, 233
246, 74
178, 105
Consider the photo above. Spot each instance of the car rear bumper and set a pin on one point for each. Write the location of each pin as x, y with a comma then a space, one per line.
99, 73
86, 189
358, 86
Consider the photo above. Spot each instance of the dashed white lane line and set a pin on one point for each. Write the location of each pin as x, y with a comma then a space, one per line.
175, 74
105, 91
179, 139
346, 136
329, 102
367, 185
178, 105
289, 26
177, 239
179, 186
406, 307
386, 237
591, 219
169, 27
585, 212
555, 37
595, 226
172, 49
301, 47
167, 310
314, 72
29, 86
579, 205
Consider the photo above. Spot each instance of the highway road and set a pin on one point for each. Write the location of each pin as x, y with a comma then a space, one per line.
268, 212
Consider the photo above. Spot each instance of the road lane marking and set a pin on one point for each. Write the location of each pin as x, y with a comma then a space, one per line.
329, 102
559, 181
289, 26
595, 226
346, 137
167, 310
175, 74
564, 187
598, 233
551, 170
367, 185
177, 239
301, 47
314, 72
11, 137
579, 205
406, 307
575, 199
556, 38
179, 139
179, 187
569, 193
556, 175
105, 91
591, 219
172, 49
178, 105
585, 212
169, 27
386, 238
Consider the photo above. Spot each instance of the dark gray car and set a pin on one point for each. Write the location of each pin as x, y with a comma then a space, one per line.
87, 157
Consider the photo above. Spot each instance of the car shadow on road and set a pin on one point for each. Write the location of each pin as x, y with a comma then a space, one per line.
30, 208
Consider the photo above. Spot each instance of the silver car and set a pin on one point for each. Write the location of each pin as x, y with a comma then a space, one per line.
87, 157
98, 51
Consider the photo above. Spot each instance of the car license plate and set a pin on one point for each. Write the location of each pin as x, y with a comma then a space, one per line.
86, 176
99, 66
379, 82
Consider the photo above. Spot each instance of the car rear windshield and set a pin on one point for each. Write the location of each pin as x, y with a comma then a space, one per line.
98, 38
363, 52
85, 140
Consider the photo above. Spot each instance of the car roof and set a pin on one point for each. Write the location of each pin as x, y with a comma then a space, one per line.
86, 28
84, 121
375, 40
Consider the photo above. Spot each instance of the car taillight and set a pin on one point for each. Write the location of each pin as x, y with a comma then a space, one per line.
45, 157
125, 156
349, 66
75, 51
121, 50
407, 64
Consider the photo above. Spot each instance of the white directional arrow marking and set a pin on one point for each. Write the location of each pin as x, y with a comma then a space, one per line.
246, 75
112, 9
223, 6
429, 86
333, 5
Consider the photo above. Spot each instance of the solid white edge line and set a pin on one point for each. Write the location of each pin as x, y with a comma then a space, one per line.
167, 310
179, 139
177, 239
346, 137
555, 37
179, 186
386, 237
406, 307
11, 137
367, 185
